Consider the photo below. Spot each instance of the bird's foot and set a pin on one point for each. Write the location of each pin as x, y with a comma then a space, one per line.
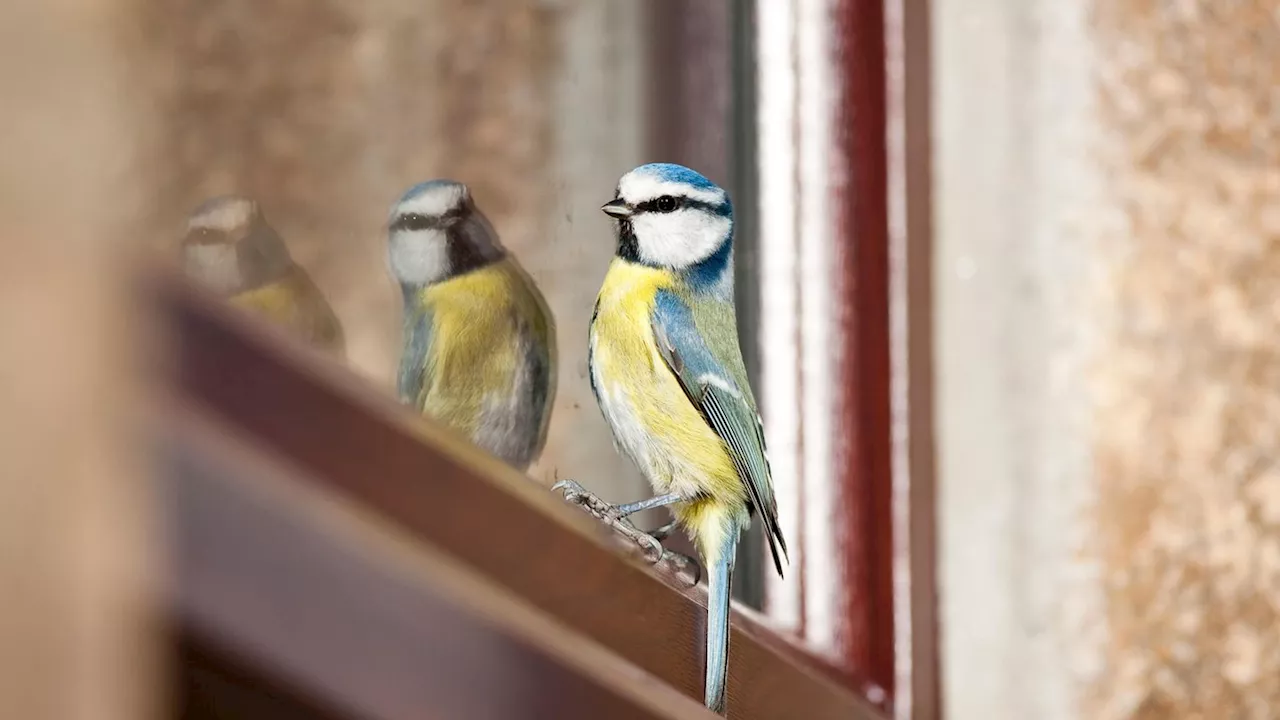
683, 564
656, 554
649, 543
663, 532
573, 492
609, 515
679, 562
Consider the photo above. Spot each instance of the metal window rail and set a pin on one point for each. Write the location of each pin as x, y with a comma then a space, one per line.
486, 544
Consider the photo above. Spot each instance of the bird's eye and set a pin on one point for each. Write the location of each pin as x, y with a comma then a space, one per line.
413, 221
667, 204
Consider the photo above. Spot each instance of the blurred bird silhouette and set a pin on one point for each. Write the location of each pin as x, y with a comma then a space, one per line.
667, 370
231, 249
479, 341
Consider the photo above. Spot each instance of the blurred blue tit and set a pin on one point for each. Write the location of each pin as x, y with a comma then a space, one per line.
479, 343
667, 370
230, 248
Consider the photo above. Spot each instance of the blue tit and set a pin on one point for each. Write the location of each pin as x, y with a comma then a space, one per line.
231, 249
667, 371
478, 350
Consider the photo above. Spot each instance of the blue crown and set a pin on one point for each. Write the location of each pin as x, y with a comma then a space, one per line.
677, 173
422, 187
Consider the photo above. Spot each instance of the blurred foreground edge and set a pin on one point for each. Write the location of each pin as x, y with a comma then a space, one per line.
329, 611
337, 558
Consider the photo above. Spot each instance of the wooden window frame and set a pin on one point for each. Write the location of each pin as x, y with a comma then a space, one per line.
828, 160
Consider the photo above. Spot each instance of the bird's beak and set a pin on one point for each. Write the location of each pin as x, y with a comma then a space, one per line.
617, 208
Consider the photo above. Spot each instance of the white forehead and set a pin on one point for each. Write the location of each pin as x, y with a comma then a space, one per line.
432, 199
638, 186
225, 214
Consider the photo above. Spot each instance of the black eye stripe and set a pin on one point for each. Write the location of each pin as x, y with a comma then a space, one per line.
418, 221
414, 221
654, 205
207, 236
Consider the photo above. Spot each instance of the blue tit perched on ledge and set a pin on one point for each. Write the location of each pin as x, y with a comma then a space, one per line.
667, 370
230, 248
479, 342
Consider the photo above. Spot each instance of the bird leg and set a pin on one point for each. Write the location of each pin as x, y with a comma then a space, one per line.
616, 517
679, 560
574, 493
611, 515
663, 532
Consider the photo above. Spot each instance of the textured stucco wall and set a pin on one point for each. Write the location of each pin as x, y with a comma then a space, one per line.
327, 110
1108, 281
1188, 377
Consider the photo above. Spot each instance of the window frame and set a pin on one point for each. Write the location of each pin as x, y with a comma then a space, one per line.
835, 175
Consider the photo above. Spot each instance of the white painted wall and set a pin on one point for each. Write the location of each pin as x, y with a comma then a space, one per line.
1013, 180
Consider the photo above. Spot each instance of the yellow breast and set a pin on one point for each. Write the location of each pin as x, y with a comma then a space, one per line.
295, 303
475, 320
652, 418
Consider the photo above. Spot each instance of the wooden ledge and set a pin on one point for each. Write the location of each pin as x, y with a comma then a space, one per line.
454, 500
334, 601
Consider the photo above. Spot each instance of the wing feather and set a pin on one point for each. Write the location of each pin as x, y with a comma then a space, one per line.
728, 413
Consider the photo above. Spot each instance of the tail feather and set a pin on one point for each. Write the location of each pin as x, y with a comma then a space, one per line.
719, 578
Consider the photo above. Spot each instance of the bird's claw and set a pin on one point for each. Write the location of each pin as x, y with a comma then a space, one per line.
573, 492
663, 532
650, 543
608, 514
653, 550
656, 554
683, 563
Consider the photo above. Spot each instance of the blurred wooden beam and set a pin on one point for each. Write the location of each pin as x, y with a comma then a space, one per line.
474, 510
213, 684
76, 637
311, 591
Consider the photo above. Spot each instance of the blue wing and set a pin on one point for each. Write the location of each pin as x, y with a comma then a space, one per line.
414, 372
723, 404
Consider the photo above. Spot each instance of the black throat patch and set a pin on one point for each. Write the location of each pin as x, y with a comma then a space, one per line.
464, 255
628, 246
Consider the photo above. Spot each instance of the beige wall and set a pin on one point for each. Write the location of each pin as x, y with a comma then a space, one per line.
1189, 374
1108, 276
326, 111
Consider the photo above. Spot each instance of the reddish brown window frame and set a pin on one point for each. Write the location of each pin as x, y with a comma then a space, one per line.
879, 235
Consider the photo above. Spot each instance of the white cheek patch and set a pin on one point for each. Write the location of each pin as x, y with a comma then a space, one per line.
418, 257
433, 202
227, 216
679, 239
636, 188
217, 266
